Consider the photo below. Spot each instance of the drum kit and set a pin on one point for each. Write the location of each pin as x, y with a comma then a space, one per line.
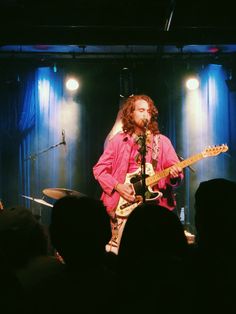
54, 193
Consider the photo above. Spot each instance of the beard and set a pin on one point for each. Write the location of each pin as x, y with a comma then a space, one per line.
142, 124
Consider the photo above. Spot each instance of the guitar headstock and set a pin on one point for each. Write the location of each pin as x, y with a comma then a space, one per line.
215, 150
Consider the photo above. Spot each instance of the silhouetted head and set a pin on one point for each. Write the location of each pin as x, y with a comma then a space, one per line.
152, 235
79, 229
215, 216
22, 237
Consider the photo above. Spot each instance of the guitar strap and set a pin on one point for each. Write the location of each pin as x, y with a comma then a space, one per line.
155, 150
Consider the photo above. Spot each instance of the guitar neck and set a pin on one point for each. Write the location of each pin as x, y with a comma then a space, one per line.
152, 180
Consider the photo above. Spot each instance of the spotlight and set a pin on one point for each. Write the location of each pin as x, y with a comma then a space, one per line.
192, 83
191, 78
72, 84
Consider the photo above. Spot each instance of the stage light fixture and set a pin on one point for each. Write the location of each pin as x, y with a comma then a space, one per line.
72, 84
192, 83
191, 78
54, 68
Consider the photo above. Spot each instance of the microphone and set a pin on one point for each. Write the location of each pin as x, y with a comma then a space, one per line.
63, 137
145, 123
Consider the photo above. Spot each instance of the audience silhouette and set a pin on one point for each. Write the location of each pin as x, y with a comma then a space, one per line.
156, 270
22, 236
79, 230
24, 246
11, 292
214, 256
151, 261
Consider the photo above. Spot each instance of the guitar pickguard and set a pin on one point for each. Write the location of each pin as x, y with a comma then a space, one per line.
124, 208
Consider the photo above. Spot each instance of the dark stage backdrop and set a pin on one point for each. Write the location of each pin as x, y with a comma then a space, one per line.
36, 109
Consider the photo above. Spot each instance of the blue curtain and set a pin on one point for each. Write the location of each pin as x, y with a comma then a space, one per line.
44, 161
208, 118
34, 113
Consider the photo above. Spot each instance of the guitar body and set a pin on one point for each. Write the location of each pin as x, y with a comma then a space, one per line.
124, 208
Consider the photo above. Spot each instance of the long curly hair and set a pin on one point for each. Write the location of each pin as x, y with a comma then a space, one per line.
127, 109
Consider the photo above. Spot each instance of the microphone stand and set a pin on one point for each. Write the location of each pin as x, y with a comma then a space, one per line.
181, 159
33, 156
143, 151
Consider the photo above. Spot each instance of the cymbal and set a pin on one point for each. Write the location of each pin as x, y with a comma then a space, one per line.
38, 200
58, 193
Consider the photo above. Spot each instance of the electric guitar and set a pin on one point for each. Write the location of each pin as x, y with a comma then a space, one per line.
124, 208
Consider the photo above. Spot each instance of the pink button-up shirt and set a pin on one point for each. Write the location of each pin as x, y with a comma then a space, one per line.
113, 164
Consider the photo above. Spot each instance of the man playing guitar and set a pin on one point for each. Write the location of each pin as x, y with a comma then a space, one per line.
118, 168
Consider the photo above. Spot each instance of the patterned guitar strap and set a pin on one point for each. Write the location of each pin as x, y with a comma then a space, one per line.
155, 150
